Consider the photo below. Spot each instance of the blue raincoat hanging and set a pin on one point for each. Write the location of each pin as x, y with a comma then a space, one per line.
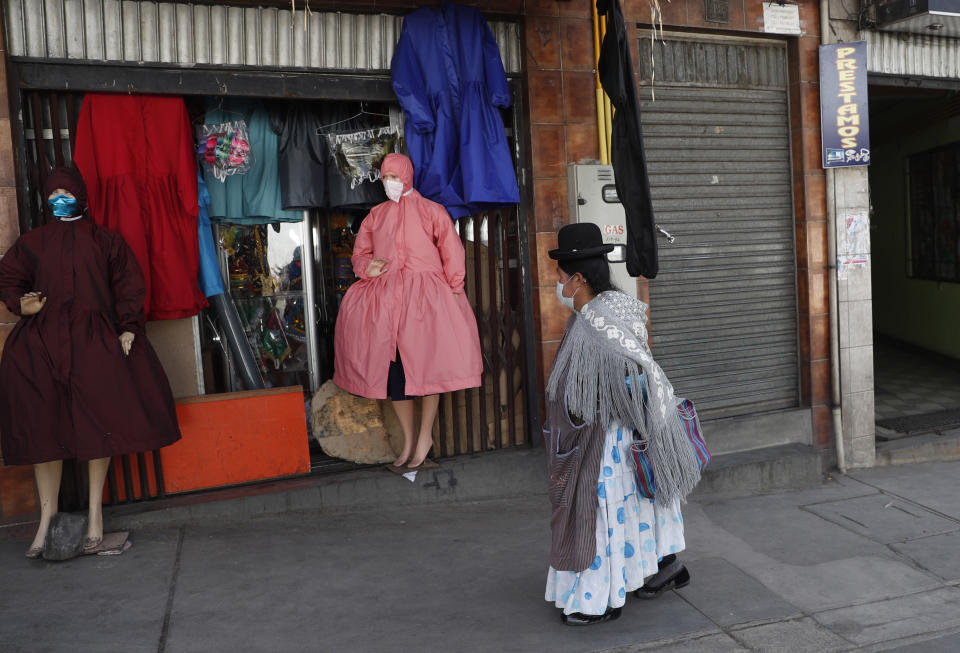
449, 79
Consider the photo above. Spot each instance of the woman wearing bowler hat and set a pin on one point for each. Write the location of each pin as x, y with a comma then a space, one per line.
605, 389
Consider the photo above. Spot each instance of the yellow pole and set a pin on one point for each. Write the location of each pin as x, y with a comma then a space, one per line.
607, 110
601, 114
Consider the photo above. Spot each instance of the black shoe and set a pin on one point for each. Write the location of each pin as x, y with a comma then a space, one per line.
577, 619
671, 575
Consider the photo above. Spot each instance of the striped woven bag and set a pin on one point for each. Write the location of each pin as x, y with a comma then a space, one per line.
645, 484
691, 424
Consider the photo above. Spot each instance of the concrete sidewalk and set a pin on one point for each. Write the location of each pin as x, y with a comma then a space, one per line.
868, 562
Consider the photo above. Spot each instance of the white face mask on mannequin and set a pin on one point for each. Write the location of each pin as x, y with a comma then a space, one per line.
566, 301
393, 188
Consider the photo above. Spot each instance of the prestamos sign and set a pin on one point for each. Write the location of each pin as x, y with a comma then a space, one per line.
844, 118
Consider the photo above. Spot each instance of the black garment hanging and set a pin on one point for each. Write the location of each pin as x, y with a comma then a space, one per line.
615, 68
309, 177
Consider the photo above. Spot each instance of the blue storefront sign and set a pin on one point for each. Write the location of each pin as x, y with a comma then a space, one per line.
844, 120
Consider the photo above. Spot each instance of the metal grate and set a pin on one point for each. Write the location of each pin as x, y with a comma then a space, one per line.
188, 34
723, 308
494, 415
941, 420
912, 55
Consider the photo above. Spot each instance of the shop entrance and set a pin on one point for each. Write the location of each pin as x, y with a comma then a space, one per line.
279, 272
914, 178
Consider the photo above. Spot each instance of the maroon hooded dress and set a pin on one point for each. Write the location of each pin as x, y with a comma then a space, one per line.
66, 388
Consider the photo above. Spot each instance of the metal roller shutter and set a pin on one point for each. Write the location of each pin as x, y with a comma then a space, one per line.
724, 310
193, 33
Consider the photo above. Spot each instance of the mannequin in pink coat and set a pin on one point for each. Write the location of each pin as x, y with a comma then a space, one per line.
406, 330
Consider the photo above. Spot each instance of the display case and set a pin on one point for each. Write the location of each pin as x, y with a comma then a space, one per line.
271, 289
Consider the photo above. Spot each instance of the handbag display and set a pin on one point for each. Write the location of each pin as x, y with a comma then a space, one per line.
646, 484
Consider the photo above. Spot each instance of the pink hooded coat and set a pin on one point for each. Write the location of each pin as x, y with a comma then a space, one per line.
417, 306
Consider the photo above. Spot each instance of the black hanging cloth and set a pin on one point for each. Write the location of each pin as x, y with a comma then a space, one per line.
629, 161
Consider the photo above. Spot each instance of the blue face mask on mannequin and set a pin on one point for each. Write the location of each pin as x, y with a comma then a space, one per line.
63, 206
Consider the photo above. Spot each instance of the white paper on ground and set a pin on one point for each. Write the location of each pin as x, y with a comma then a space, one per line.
410, 476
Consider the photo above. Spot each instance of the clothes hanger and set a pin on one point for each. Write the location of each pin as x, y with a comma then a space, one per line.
363, 112
227, 112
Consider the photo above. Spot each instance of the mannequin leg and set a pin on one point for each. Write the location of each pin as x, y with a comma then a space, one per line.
48, 487
425, 439
405, 413
98, 474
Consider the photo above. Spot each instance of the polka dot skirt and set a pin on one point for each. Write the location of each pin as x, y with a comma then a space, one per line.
632, 535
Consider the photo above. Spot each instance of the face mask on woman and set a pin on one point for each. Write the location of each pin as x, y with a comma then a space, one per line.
393, 188
63, 206
566, 301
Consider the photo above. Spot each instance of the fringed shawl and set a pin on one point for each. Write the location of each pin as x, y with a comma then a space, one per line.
597, 374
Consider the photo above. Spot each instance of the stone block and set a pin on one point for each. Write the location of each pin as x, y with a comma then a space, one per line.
856, 369
858, 414
789, 466
861, 452
348, 427
884, 518
729, 596
65, 537
843, 319
920, 449
859, 282
860, 316
7, 156
9, 218
742, 433
924, 644
939, 554
717, 643
931, 484
801, 636
852, 189
896, 618
843, 295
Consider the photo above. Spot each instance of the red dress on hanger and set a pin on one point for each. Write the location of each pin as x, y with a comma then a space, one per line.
136, 156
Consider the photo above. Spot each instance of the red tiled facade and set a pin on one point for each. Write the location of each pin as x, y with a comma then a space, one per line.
563, 129
17, 496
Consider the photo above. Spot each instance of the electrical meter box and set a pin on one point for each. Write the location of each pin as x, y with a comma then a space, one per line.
593, 198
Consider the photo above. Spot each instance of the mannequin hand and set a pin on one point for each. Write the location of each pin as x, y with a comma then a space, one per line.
30, 303
376, 267
126, 342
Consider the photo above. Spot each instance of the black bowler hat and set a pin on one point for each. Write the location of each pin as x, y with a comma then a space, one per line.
580, 240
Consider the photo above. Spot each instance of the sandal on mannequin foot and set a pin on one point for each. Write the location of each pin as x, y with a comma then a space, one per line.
411, 464
91, 544
34, 552
414, 463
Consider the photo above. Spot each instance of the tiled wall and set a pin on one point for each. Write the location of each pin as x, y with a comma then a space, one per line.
563, 130
16, 483
855, 317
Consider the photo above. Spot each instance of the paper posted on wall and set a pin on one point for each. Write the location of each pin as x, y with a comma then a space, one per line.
853, 248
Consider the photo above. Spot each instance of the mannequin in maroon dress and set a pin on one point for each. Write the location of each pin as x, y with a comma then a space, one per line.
78, 378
